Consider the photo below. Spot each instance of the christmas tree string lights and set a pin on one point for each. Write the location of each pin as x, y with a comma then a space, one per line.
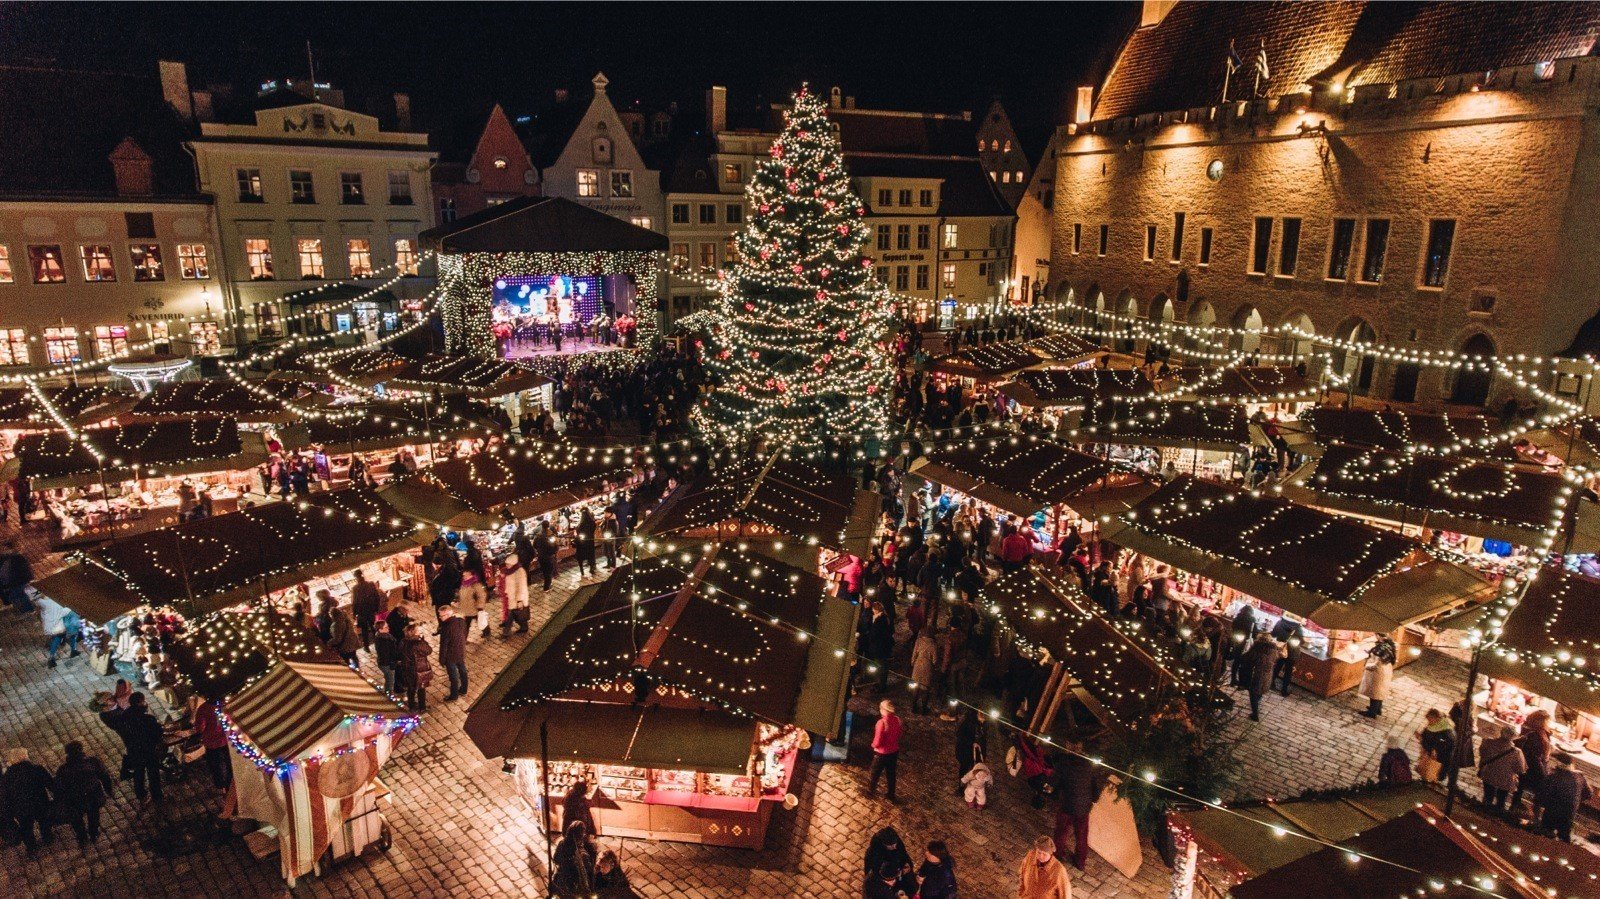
798, 348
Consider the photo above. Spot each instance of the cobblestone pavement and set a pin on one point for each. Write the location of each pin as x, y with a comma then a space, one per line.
460, 830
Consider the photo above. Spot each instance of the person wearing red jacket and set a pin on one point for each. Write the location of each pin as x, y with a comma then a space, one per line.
885, 749
1015, 550
215, 740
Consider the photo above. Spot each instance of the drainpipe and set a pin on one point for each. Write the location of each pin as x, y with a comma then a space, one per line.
226, 285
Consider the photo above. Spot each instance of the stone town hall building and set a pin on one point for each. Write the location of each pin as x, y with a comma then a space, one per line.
1422, 175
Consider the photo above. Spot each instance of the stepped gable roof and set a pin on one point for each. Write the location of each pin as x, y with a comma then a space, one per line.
1179, 63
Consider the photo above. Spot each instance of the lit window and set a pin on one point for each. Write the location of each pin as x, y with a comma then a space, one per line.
708, 256
588, 183
310, 250
249, 181
1441, 235
708, 214
732, 173
147, 262
922, 277
405, 256
1005, 177
500, 162
400, 188
156, 330
1289, 248
61, 345
947, 274
45, 261
267, 320
1377, 248
950, 236
1260, 245
350, 190
622, 184
206, 337
97, 264
680, 256
680, 213
1007, 147
301, 188
734, 213
13, 346
1019, 176
359, 251
730, 250
924, 235
192, 264
110, 340
258, 256
5, 265
642, 221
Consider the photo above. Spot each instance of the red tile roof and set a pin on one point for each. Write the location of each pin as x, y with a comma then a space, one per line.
1179, 64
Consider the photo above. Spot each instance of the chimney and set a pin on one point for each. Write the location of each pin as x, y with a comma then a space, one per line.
1084, 111
204, 109
1153, 11
175, 88
402, 111
332, 96
561, 95
132, 169
833, 98
849, 102
717, 109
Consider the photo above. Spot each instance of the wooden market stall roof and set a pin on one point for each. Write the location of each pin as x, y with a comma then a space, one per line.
1023, 474
1124, 673
995, 360
1400, 431
790, 497
1065, 347
1242, 383
20, 407
484, 490
362, 367
1220, 426
1335, 571
295, 705
221, 397
224, 560
1077, 386
1490, 499
467, 375
1390, 823
387, 424
670, 663
224, 651
150, 449
1558, 614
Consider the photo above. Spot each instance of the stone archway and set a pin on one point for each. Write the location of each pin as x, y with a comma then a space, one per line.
1248, 325
1127, 313
1356, 366
1292, 344
1471, 384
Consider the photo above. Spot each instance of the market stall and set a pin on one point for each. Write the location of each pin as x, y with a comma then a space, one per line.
216, 563
1210, 440
308, 740
1344, 581
683, 690
263, 402
1067, 350
1401, 432
380, 431
22, 412
986, 364
1044, 484
1490, 513
115, 481
1280, 391
223, 652
1255, 850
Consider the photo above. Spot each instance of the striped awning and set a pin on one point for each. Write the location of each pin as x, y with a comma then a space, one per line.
297, 704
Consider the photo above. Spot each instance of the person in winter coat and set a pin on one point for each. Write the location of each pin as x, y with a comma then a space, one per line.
1244, 624
1465, 731
583, 545
1076, 787
344, 636
880, 643
575, 807
453, 650
1379, 672
977, 781
544, 550
215, 741
888, 851
1259, 661
25, 788
472, 598
1438, 741
972, 743
82, 784
885, 750
1564, 790
1290, 635
144, 740
415, 671
516, 581
365, 604
574, 864
446, 582
387, 648
937, 873
1535, 745
610, 882
924, 658
1501, 766
1394, 768
61, 625
1041, 875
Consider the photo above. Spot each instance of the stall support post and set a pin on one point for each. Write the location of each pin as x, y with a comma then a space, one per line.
1463, 730
544, 812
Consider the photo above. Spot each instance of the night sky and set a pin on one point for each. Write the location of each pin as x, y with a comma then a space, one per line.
456, 58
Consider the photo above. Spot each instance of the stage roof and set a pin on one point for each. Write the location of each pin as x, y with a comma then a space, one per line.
541, 225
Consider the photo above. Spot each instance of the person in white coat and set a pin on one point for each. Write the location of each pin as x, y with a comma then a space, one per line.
61, 625
977, 781
1379, 672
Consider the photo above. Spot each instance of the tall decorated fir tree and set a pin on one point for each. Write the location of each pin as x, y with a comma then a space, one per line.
798, 349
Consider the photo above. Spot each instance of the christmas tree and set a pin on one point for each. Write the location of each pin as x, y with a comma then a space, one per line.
798, 346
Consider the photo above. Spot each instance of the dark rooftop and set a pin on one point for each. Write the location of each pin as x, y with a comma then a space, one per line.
541, 225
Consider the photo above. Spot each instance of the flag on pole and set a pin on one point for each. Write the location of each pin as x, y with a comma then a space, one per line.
1234, 62
1262, 72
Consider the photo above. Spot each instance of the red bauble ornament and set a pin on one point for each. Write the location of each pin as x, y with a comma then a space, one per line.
798, 268
817, 193
827, 357
844, 336
822, 296
844, 229
872, 388
826, 272
765, 253
749, 307
866, 263
765, 207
